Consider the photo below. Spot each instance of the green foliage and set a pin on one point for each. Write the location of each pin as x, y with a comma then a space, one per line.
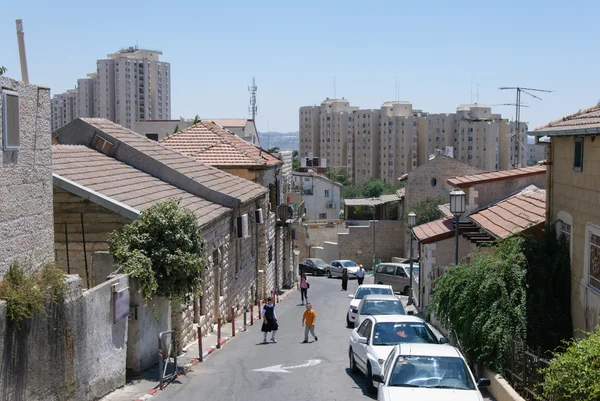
484, 302
574, 373
196, 119
548, 290
164, 249
373, 188
2, 70
295, 161
28, 295
273, 150
427, 210
339, 175
176, 130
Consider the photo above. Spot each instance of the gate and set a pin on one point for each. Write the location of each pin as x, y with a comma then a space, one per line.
167, 366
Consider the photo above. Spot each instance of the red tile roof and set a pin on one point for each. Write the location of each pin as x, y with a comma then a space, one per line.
207, 142
435, 230
126, 184
513, 214
466, 181
583, 119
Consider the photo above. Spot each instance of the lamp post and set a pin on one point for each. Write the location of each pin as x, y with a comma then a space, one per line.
374, 250
457, 208
412, 219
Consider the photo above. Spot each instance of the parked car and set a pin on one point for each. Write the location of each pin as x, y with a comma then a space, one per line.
395, 274
374, 339
427, 372
375, 304
338, 265
361, 292
314, 266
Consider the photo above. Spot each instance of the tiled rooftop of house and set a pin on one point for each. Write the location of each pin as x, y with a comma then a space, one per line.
466, 181
207, 142
435, 230
583, 119
202, 173
126, 184
513, 214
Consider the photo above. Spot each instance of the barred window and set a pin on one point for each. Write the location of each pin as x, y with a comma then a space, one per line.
594, 261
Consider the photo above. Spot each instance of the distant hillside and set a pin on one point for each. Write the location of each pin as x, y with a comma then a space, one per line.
283, 140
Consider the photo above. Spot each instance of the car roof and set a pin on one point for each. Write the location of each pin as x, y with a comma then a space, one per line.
373, 286
396, 319
421, 349
343, 260
381, 297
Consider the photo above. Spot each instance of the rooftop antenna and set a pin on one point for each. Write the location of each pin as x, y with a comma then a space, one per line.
477, 101
253, 108
22, 54
518, 105
397, 97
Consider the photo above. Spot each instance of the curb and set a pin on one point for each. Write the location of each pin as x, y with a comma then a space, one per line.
185, 369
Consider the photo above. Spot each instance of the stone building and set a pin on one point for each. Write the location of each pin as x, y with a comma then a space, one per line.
26, 233
105, 175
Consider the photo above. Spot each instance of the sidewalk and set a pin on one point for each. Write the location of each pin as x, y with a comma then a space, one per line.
144, 387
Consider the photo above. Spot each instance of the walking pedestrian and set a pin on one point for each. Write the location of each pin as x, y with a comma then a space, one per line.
269, 320
309, 316
304, 286
344, 279
360, 275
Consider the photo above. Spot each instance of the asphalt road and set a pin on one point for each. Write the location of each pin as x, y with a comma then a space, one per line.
229, 374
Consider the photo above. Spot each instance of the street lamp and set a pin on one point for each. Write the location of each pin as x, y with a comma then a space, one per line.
412, 220
457, 208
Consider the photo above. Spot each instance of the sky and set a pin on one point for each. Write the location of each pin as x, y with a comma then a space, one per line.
439, 51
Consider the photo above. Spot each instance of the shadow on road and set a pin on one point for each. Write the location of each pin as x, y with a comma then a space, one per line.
359, 379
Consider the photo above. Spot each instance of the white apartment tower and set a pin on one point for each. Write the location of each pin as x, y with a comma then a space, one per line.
130, 85
64, 108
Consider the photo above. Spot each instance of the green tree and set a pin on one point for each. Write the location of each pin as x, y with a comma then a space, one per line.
574, 371
295, 161
339, 175
176, 130
196, 119
273, 150
3, 70
427, 210
164, 249
483, 302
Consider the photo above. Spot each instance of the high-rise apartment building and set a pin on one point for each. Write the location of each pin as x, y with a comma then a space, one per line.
388, 142
130, 85
64, 108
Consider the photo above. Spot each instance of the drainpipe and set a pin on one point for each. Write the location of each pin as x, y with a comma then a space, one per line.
256, 250
550, 192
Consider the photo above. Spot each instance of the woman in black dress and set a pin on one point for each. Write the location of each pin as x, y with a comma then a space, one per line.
269, 320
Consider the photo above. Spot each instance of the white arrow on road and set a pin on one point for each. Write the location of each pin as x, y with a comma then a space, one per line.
281, 369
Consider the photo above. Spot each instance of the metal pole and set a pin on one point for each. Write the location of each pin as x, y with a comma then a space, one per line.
245, 318
251, 315
219, 333
200, 357
232, 321
259, 312
67, 246
410, 279
87, 274
374, 250
456, 219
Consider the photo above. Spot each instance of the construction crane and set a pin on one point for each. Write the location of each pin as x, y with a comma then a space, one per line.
518, 106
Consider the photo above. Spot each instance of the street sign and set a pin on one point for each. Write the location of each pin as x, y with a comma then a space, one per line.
282, 369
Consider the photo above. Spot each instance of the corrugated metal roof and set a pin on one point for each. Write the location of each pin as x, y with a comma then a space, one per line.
383, 199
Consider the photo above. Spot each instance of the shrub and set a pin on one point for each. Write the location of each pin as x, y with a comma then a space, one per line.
427, 210
574, 373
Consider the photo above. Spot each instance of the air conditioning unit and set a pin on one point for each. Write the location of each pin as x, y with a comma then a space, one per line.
242, 226
258, 215
330, 206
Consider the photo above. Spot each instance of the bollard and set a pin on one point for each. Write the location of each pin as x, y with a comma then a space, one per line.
259, 313
160, 368
200, 344
219, 333
245, 318
232, 322
251, 315
277, 295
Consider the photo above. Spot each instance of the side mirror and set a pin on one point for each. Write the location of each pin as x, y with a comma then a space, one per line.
378, 378
443, 340
350, 296
363, 340
483, 382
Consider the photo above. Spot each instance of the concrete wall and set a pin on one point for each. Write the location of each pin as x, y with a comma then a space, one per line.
358, 243
575, 196
484, 194
328, 252
75, 352
26, 182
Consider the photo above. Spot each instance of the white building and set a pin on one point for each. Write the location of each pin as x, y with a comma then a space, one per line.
321, 196
131, 85
64, 108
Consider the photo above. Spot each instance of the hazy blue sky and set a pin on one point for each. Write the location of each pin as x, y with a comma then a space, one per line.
294, 49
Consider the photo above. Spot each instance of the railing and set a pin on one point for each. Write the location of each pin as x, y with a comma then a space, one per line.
523, 372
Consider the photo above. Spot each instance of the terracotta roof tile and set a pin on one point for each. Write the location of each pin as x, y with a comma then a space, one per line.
435, 230
96, 171
586, 118
466, 181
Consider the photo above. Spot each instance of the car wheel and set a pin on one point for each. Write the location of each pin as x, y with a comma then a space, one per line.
406, 290
353, 367
369, 379
314, 271
328, 273
349, 324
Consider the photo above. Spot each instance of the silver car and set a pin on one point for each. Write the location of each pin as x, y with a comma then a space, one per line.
395, 274
336, 267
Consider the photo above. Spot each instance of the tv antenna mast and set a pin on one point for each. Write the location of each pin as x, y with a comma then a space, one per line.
253, 108
518, 106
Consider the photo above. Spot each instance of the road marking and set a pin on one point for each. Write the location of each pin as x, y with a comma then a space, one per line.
282, 369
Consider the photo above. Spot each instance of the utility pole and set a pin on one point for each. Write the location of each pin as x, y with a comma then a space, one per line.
517, 135
22, 54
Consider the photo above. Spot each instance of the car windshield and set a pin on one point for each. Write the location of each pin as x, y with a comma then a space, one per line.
349, 263
431, 372
382, 307
392, 333
319, 262
364, 291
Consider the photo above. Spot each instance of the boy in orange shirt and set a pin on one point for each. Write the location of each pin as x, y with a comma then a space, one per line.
309, 316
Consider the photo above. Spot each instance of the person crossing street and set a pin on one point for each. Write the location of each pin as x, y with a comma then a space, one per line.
360, 275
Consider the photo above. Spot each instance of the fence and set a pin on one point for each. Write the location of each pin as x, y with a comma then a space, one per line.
523, 372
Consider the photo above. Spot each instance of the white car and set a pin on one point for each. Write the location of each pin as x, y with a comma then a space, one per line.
374, 339
338, 265
360, 293
427, 372
375, 304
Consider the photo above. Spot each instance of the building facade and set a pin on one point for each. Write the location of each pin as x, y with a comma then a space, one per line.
321, 196
130, 85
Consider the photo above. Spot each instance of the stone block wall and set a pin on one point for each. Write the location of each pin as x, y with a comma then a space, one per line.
26, 231
385, 237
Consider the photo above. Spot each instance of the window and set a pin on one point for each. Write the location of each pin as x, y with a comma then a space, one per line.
578, 156
270, 253
433, 182
11, 137
594, 259
327, 193
322, 216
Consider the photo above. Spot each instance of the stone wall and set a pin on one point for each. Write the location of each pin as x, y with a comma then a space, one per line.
75, 352
358, 243
485, 194
328, 252
26, 182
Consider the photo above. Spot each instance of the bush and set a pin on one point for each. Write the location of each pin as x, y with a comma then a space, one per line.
28, 295
574, 374
427, 210
164, 249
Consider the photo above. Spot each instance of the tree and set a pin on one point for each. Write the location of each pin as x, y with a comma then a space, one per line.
176, 130
3, 70
295, 161
196, 119
164, 249
427, 210
273, 150
339, 175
